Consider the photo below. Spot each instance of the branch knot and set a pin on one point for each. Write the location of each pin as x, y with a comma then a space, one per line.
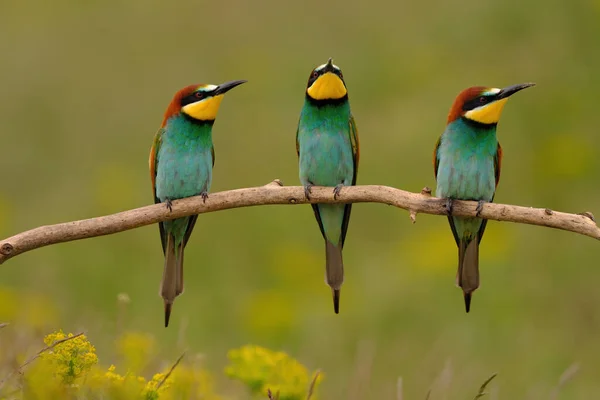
588, 215
6, 249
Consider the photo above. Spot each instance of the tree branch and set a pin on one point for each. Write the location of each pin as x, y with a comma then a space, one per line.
275, 193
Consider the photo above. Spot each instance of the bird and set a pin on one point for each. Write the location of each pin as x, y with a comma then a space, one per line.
328, 153
181, 160
467, 159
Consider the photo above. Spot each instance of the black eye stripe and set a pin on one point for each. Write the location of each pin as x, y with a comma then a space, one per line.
478, 102
192, 98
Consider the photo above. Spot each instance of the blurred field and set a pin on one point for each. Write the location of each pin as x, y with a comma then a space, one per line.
83, 89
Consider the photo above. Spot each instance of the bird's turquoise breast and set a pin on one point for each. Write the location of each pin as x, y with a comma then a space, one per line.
184, 160
326, 157
466, 157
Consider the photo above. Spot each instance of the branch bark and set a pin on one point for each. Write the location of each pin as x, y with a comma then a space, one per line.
275, 193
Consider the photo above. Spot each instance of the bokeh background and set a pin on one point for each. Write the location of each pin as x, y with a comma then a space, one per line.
83, 86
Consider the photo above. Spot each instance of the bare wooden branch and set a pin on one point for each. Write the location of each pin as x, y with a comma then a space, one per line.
275, 193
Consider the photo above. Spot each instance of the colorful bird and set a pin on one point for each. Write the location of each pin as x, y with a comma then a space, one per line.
466, 161
181, 162
327, 147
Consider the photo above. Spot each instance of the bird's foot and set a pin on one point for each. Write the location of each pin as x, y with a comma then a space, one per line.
337, 190
204, 196
479, 208
169, 205
307, 189
448, 206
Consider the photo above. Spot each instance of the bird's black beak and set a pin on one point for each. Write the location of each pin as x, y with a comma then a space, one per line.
227, 86
510, 90
329, 66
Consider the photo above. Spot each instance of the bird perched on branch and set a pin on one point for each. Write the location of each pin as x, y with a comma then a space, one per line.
466, 161
327, 147
181, 161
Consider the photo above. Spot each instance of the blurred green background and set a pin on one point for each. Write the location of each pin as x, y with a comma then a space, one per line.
83, 87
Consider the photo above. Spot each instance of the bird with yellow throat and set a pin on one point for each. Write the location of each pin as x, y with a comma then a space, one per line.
181, 163
467, 160
327, 147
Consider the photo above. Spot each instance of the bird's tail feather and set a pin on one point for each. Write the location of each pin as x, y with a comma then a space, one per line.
467, 276
172, 280
334, 268
179, 284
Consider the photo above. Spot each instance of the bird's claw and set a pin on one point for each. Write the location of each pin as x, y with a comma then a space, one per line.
204, 196
479, 208
169, 205
448, 206
307, 189
337, 190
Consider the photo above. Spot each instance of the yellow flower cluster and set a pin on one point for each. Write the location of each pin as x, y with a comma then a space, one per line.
68, 369
71, 359
262, 369
152, 389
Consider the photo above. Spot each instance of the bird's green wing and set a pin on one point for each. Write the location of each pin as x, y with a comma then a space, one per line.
498, 164
153, 164
153, 160
436, 164
355, 147
355, 157
297, 143
436, 160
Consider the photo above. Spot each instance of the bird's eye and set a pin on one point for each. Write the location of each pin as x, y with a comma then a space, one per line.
315, 74
483, 99
198, 95
341, 75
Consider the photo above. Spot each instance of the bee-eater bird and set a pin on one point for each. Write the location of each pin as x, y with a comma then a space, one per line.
327, 147
466, 161
181, 162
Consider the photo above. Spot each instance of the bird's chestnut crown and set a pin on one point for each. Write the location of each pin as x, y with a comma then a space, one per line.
483, 105
199, 102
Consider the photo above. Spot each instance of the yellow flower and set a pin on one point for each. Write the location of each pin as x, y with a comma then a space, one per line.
152, 391
71, 359
262, 369
112, 377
